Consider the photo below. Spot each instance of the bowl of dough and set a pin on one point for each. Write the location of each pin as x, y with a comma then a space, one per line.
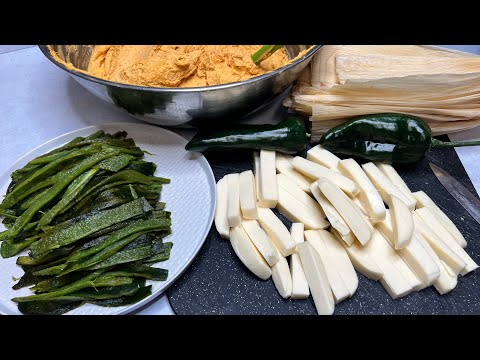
182, 85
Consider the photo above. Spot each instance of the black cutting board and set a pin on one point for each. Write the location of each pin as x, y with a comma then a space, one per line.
218, 283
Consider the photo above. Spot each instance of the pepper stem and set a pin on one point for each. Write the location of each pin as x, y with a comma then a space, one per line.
439, 143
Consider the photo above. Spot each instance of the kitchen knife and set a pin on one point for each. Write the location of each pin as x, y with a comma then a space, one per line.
470, 202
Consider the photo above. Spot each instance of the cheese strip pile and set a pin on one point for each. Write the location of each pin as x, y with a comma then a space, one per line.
441, 86
345, 218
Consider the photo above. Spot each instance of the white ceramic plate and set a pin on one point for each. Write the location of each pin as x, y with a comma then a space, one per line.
190, 197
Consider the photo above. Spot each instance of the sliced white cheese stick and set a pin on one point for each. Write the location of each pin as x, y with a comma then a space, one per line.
444, 252
392, 174
423, 200
362, 261
285, 167
416, 257
396, 279
248, 197
386, 226
316, 171
339, 288
261, 241
233, 203
360, 227
362, 214
296, 230
384, 186
296, 211
437, 227
282, 279
256, 172
331, 213
290, 186
221, 220
403, 267
402, 223
248, 253
369, 197
341, 260
268, 193
317, 279
348, 239
276, 231
298, 206
359, 204
447, 280
323, 157
300, 288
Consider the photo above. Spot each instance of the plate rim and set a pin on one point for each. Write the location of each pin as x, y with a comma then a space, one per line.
208, 170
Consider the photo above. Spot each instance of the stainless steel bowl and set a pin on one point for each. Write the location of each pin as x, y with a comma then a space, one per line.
184, 106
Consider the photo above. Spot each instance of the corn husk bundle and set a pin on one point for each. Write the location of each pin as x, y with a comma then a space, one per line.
439, 85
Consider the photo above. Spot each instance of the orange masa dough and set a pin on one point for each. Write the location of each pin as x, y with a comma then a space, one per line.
180, 65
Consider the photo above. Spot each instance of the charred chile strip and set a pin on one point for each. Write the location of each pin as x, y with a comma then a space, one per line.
106, 249
95, 279
72, 191
136, 227
9, 249
142, 293
123, 257
122, 177
47, 170
48, 307
163, 255
145, 271
56, 238
55, 190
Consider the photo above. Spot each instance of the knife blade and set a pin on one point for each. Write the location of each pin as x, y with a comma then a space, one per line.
470, 202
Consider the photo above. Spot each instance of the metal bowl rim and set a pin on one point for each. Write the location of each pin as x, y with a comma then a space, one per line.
45, 50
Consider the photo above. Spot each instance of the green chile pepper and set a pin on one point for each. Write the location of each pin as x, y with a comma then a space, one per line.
289, 136
391, 138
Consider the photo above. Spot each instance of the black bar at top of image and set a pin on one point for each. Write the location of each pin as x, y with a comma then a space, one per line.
242, 23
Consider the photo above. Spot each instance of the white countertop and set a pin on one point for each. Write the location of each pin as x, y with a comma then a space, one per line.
39, 102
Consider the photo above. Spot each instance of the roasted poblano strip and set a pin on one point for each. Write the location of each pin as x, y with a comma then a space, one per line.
109, 292
145, 271
106, 249
53, 270
140, 294
55, 190
136, 227
94, 280
48, 307
124, 256
52, 283
115, 163
9, 249
162, 254
44, 172
144, 167
72, 191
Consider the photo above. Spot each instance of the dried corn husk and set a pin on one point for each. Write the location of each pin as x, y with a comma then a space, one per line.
323, 65
367, 68
439, 85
